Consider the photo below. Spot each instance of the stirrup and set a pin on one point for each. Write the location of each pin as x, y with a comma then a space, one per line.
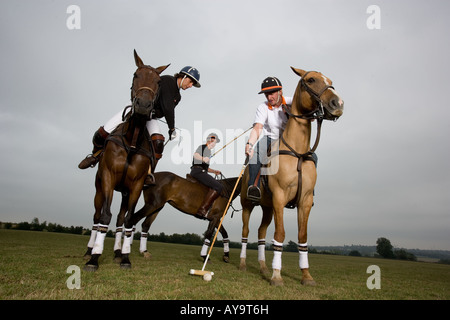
254, 194
149, 180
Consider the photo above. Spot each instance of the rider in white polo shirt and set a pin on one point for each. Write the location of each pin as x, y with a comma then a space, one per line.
270, 120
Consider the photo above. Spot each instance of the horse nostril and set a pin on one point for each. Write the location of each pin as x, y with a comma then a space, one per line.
337, 103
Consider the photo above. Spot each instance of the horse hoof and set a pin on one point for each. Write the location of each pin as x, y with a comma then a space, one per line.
87, 257
308, 282
242, 268
125, 266
226, 259
276, 282
117, 256
90, 267
264, 271
147, 255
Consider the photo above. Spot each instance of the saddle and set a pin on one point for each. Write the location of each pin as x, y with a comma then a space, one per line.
265, 179
118, 138
191, 178
224, 190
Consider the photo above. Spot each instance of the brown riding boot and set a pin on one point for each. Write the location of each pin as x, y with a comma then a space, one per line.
207, 203
98, 140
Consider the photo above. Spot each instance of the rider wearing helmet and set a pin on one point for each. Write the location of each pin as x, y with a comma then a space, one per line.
166, 101
199, 170
270, 120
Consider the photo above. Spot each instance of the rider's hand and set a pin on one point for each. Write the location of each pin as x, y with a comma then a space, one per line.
249, 150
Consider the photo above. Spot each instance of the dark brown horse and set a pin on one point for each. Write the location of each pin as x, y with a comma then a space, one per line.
125, 161
186, 195
291, 173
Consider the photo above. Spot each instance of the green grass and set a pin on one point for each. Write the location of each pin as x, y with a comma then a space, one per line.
33, 266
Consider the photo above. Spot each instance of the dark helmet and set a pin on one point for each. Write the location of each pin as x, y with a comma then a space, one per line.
192, 73
270, 84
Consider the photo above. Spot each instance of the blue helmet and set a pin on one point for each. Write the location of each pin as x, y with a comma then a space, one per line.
192, 73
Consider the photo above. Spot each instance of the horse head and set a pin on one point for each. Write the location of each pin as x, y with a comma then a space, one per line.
145, 86
319, 96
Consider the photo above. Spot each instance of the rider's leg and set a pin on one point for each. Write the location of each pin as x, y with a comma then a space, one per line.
157, 139
99, 141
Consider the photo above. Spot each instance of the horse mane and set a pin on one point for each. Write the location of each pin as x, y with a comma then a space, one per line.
228, 186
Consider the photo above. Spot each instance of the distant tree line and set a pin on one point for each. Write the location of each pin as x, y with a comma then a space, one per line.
385, 250
384, 247
44, 226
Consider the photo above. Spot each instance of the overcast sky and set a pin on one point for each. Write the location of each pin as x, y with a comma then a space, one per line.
383, 166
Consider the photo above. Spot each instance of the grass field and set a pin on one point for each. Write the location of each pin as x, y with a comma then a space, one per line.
33, 266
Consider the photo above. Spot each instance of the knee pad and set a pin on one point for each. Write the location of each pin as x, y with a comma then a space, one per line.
158, 144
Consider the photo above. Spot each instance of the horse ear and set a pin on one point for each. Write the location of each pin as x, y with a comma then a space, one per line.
138, 60
162, 68
298, 72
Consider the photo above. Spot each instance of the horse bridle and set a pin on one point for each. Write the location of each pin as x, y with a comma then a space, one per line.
318, 112
134, 93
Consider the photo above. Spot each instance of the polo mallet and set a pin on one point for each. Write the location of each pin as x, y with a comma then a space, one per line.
202, 272
230, 142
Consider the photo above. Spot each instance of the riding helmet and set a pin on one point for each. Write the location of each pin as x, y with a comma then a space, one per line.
213, 135
270, 84
192, 73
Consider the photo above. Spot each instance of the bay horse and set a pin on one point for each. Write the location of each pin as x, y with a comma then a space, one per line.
292, 172
185, 195
124, 163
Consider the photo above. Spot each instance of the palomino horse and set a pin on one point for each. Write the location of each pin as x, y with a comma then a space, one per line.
291, 173
186, 195
125, 162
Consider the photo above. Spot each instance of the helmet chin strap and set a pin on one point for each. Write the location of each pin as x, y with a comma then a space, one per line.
181, 83
278, 99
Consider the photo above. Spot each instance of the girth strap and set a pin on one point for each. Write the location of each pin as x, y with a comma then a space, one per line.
301, 157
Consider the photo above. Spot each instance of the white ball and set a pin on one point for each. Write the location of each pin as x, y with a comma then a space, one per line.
207, 277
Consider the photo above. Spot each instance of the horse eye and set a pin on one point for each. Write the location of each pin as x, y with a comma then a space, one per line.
311, 80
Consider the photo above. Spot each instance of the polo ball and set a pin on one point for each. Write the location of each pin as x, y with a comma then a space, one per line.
207, 277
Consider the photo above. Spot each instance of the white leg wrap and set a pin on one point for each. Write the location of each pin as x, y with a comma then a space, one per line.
226, 245
93, 236
126, 248
278, 250
244, 248
205, 247
262, 250
143, 242
303, 255
276, 262
100, 239
118, 239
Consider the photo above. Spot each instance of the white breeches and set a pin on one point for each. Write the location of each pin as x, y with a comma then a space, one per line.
111, 124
